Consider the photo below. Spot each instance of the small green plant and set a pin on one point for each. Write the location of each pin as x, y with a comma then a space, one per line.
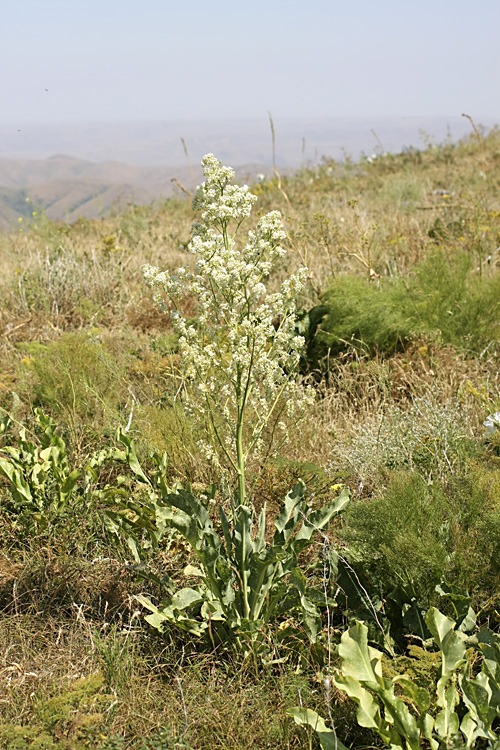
46, 491
117, 656
461, 711
43, 489
445, 299
356, 314
133, 508
244, 583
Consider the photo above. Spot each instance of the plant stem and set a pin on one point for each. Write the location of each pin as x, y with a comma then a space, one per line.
240, 455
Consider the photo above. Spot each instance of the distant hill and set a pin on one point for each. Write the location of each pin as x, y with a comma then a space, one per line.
67, 188
115, 163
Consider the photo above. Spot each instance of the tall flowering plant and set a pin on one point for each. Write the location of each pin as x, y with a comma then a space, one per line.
240, 361
240, 358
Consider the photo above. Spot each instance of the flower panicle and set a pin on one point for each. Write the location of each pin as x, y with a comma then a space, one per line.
217, 198
241, 358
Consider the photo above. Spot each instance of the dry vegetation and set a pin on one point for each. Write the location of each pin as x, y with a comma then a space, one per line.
403, 386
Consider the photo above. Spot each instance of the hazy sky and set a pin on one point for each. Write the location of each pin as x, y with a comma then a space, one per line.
104, 60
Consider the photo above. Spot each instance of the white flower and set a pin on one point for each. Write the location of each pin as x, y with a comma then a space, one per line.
492, 423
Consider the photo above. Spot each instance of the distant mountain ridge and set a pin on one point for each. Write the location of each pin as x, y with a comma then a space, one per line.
15, 173
111, 164
67, 188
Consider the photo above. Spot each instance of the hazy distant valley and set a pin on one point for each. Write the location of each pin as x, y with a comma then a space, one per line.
66, 188
84, 170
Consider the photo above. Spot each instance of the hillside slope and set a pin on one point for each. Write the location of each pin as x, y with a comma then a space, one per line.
66, 188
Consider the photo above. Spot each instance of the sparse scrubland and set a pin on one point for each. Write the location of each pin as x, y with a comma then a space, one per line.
256, 506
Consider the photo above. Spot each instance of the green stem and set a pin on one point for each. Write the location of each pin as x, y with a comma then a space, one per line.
219, 440
240, 455
242, 402
241, 399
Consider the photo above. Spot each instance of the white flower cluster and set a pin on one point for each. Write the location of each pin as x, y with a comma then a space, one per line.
241, 357
217, 197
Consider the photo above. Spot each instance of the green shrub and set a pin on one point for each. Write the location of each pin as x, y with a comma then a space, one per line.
446, 298
44, 489
77, 379
398, 538
358, 314
414, 534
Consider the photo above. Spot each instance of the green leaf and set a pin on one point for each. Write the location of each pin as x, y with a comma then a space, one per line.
398, 714
310, 613
185, 598
262, 574
212, 610
130, 455
191, 570
242, 536
260, 539
468, 727
19, 485
360, 661
368, 713
173, 615
425, 723
156, 620
189, 528
419, 695
490, 646
286, 520
307, 717
446, 721
322, 517
191, 506
461, 602
69, 483
476, 694
5, 423
132, 545
111, 522
226, 531
451, 645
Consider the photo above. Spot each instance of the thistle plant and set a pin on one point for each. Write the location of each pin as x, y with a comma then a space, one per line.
240, 358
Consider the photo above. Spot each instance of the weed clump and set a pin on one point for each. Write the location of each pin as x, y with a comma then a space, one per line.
446, 299
424, 435
415, 534
77, 379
